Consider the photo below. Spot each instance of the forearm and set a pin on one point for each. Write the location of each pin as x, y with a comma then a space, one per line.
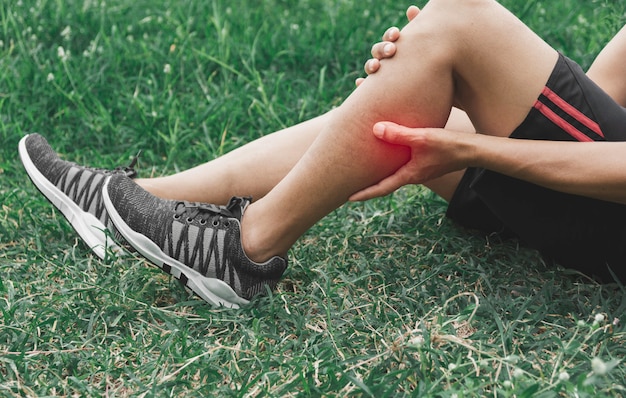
596, 169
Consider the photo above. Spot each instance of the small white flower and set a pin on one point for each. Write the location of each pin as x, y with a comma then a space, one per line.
50, 77
517, 373
580, 323
62, 54
451, 366
417, 341
167, 69
564, 376
507, 384
66, 33
598, 366
599, 318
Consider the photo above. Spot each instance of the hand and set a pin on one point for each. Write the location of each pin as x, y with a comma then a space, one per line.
434, 152
386, 48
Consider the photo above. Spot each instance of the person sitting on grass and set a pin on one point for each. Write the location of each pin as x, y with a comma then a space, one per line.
547, 166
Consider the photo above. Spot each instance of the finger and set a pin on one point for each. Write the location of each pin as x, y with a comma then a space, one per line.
412, 12
359, 81
372, 66
384, 49
384, 187
391, 34
394, 133
378, 50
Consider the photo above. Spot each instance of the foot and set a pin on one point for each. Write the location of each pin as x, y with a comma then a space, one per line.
74, 190
200, 244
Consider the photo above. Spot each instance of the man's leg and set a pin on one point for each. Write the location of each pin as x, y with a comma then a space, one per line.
474, 54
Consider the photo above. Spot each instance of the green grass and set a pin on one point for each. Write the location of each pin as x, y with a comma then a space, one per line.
383, 298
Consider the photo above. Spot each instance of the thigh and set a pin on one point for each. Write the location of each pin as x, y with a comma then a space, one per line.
499, 66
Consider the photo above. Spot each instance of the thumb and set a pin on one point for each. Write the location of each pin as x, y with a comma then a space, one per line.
393, 133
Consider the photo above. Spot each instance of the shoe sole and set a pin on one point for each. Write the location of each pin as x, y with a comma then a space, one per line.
214, 291
88, 227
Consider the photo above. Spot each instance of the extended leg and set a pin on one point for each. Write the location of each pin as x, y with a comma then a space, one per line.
251, 170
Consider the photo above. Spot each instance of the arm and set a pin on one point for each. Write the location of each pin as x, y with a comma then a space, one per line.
592, 169
596, 169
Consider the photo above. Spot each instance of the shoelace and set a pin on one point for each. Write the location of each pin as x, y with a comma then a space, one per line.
204, 253
203, 212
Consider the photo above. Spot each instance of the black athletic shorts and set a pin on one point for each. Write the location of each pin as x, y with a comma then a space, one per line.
574, 231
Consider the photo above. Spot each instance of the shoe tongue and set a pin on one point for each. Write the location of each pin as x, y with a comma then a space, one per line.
237, 206
130, 169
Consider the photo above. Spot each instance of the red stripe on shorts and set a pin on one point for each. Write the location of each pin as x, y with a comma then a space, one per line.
562, 123
572, 111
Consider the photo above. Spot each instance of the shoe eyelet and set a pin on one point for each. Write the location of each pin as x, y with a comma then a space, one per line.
227, 224
202, 222
216, 223
176, 216
189, 220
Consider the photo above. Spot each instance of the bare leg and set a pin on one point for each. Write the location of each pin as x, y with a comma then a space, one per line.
251, 170
609, 70
475, 54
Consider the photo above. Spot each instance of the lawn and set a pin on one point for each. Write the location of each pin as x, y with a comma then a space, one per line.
384, 298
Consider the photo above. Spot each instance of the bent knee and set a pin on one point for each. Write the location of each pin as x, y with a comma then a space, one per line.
455, 25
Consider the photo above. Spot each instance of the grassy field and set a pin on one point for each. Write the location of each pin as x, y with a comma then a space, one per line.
385, 298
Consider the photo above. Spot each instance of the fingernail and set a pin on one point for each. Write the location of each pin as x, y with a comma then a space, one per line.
379, 130
388, 48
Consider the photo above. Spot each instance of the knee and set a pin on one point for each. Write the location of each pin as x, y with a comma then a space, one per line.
463, 8
452, 22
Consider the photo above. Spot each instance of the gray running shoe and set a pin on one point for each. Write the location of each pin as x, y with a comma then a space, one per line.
73, 189
197, 243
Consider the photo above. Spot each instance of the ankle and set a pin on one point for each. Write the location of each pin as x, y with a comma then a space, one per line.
256, 242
